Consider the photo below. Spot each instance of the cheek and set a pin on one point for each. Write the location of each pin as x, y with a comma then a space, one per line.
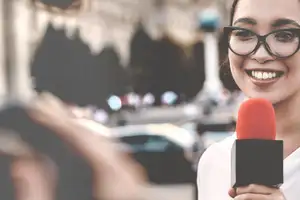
293, 74
236, 65
293, 66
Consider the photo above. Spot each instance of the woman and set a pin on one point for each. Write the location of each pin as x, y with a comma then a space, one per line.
264, 58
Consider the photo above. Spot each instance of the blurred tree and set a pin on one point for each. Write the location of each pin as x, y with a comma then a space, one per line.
112, 77
141, 61
49, 58
168, 68
67, 69
163, 65
78, 73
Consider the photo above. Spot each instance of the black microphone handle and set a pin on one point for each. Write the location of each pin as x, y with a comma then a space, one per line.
256, 161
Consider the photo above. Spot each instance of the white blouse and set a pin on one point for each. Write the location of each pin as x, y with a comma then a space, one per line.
214, 176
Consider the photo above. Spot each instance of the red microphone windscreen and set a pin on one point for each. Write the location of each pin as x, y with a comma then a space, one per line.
256, 120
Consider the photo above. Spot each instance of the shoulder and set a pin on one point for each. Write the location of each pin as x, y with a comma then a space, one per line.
215, 163
217, 151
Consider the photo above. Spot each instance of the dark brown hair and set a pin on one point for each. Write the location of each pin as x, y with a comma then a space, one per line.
225, 73
232, 10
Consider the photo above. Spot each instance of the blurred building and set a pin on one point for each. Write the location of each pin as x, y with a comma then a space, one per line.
151, 40
115, 21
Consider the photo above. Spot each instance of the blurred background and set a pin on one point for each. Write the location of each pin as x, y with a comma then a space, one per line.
149, 73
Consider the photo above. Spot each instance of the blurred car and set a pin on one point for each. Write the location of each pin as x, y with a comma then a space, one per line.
211, 137
210, 133
167, 152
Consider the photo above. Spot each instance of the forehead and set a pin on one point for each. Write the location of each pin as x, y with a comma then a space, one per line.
268, 10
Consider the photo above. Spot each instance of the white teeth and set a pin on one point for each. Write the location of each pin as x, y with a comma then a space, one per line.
264, 75
259, 75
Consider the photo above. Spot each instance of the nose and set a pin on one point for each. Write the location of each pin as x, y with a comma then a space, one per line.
262, 55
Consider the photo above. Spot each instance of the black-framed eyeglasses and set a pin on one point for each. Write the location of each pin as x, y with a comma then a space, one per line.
281, 43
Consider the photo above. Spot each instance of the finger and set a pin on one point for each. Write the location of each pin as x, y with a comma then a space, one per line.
36, 104
49, 98
255, 189
252, 197
232, 192
52, 100
46, 99
47, 110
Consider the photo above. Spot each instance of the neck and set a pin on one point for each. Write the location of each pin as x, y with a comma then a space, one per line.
288, 116
288, 123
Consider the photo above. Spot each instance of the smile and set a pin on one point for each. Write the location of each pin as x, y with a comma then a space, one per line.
264, 75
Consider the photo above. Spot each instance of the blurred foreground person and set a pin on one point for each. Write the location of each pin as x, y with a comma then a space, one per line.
116, 176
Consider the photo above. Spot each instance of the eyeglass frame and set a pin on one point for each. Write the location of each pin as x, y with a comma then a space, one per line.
261, 40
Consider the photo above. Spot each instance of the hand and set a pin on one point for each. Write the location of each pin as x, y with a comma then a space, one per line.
256, 192
117, 177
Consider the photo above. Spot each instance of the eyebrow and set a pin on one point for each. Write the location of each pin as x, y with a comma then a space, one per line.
277, 23
245, 20
284, 21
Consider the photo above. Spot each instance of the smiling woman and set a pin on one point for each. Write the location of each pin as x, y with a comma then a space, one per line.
263, 40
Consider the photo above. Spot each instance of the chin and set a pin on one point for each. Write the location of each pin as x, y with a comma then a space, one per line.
273, 97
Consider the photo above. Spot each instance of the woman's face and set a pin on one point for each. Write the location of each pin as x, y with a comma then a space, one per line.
262, 17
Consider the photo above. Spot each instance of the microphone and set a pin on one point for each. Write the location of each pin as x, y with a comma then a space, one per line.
256, 157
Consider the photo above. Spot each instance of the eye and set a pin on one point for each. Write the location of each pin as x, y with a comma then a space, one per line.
243, 34
285, 36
